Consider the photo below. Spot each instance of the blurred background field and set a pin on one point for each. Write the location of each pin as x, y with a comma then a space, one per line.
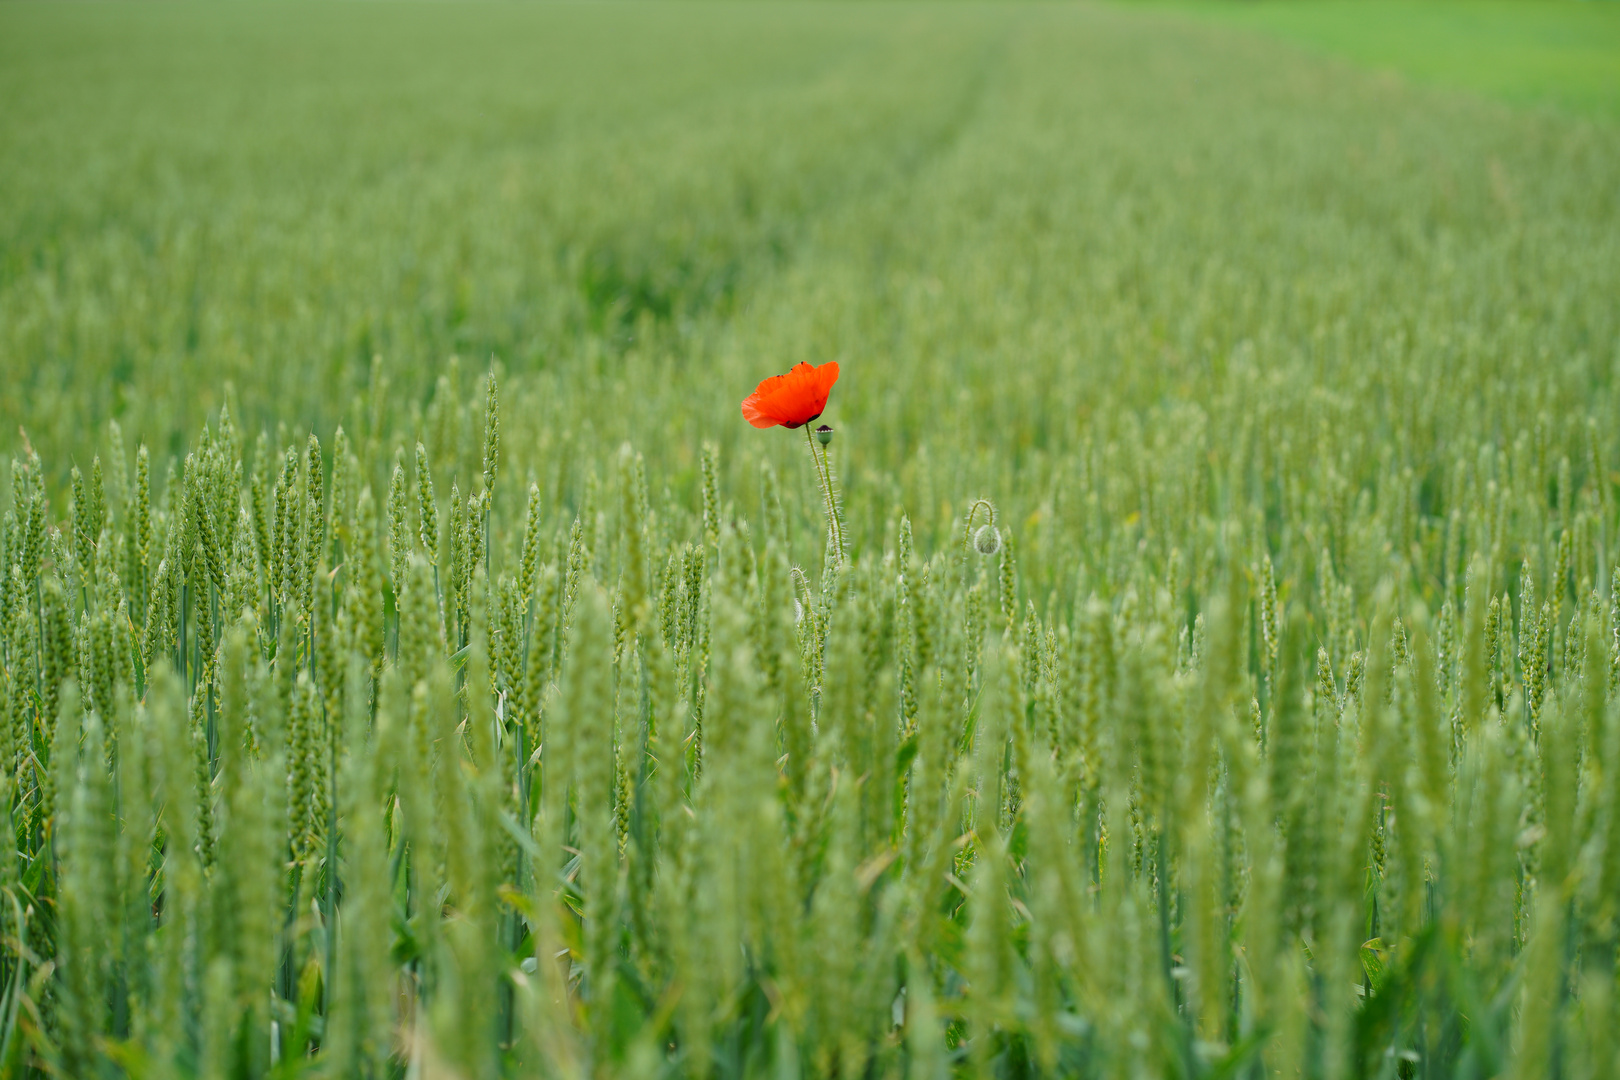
270, 196
1564, 54
1271, 729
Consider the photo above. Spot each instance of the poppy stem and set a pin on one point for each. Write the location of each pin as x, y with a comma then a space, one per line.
967, 528
835, 528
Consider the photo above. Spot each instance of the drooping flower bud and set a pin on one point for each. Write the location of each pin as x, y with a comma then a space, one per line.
987, 541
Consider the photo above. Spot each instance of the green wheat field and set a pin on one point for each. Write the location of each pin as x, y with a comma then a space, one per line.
1204, 665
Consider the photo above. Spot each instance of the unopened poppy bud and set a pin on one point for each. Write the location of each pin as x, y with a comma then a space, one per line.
987, 541
824, 433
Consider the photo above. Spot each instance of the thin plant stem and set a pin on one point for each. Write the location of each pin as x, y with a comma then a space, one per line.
835, 528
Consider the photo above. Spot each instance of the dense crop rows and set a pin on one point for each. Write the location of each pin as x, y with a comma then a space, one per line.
1221, 679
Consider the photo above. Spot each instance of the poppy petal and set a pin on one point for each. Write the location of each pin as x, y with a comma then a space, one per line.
792, 399
754, 414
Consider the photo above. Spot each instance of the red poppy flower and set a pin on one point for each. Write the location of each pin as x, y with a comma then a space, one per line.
791, 400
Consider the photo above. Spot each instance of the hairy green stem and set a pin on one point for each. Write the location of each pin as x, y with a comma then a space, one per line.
835, 528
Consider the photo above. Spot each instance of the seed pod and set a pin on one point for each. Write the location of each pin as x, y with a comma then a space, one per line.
365, 600
290, 556
457, 563
532, 542
399, 540
492, 431
427, 510
711, 494
341, 506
